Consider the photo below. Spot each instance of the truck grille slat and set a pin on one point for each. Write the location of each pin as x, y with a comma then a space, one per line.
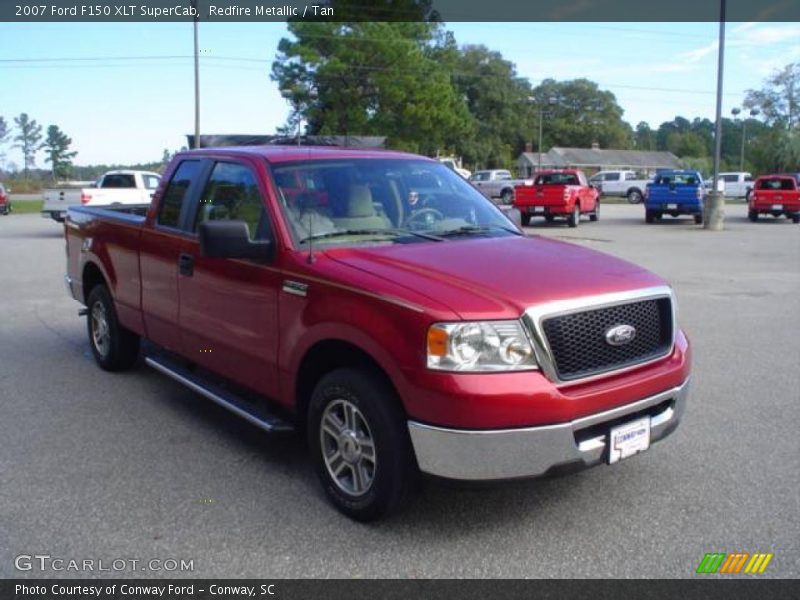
578, 340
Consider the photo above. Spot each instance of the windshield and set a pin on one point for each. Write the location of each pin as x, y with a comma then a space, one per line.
382, 201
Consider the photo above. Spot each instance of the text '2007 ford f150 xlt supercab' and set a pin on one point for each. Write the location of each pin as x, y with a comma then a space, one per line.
374, 300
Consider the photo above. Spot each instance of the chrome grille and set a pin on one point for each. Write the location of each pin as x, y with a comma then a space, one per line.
578, 345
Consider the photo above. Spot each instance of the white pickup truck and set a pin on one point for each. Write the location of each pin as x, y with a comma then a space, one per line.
625, 184
737, 185
112, 189
496, 183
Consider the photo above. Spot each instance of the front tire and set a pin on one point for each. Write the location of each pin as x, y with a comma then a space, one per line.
634, 197
360, 444
114, 347
575, 217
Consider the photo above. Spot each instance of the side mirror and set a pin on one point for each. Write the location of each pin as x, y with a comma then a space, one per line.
514, 216
231, 239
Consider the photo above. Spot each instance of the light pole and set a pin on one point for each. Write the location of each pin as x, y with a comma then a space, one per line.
714, 211
551, 101
754, 112
196, 81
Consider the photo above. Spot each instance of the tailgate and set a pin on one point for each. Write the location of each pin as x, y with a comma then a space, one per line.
540, 195
673, 194
60, 199
767, 198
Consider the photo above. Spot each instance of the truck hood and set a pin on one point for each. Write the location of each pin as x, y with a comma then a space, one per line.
496, 278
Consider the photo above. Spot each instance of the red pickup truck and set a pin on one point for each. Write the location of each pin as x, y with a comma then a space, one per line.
367, 298
775, 195
563, 193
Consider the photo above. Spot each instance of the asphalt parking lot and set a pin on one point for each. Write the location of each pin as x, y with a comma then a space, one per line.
102, 466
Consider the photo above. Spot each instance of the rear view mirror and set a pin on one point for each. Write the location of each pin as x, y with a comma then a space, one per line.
231, 239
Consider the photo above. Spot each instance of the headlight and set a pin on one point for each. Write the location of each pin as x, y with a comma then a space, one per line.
480, 346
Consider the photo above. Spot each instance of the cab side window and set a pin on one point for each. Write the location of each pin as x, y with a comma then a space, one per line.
169, 213
232, 193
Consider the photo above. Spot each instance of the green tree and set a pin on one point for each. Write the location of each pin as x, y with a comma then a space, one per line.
3, 134
583, 114
499, 103
371, 78
779, 99
28, 138
57, 145
644, 138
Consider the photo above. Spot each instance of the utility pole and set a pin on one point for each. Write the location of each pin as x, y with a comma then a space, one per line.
196, 80
714, 211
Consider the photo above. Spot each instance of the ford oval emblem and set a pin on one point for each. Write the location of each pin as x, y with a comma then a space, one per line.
619, 335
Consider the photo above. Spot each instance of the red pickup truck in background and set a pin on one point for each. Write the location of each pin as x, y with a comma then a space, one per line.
367, 298
562, 193
775, 195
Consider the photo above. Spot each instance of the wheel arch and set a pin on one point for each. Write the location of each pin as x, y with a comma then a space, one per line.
92, 276
327, 355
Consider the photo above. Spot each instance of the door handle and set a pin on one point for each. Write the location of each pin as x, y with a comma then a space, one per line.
186, 264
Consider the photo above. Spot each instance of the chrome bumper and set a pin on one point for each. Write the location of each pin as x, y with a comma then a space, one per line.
478, 455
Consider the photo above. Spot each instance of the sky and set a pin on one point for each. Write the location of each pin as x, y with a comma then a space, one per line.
124, 92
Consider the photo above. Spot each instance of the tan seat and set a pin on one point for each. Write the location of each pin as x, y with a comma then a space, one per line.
359, 211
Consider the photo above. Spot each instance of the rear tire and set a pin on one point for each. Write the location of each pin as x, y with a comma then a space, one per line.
525, 219
596, 214
698, 219
796, 218
507, 197
649, 216
575, 217
549, 218
752, 215
360, 444
114, 347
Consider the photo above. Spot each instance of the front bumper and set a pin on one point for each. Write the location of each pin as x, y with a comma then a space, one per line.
478, 455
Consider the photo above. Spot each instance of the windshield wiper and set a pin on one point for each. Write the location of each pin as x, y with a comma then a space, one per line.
469, 229
370, 231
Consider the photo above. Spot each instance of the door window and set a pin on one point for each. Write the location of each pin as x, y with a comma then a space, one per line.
232, 194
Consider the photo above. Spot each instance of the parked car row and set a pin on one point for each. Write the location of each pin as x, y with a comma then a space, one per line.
566, 193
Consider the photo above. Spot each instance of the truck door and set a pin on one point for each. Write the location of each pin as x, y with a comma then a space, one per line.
228, 307
160, 247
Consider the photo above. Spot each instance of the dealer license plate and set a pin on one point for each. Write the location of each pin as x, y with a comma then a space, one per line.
777, 207
672, 206
629, 439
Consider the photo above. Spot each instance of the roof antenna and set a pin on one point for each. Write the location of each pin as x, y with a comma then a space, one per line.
311, 258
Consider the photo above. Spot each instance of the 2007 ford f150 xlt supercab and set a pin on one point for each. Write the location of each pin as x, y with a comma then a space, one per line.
369, 299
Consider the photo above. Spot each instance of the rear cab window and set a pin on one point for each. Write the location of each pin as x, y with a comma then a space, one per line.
556, 179
119, 180
169, 211
776, 183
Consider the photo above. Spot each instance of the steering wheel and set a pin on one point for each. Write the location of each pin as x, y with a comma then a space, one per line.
414, 217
